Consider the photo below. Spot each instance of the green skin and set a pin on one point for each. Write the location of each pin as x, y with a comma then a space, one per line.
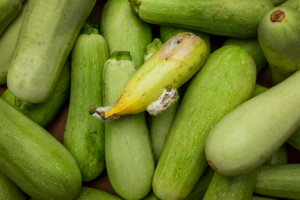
9, 190
279, 157
93, 194
257, 90
44, 113
44, 45
202, 184
151, 196
34, 160
279, 43
234, 74
152, 48
262, 198
124, 31
8, 42
278, 181
219, 17
9, 9
278, 2
84, 135
128, 152
252, 46
167, 32
229, 188
292, 3
294, 140
237, 144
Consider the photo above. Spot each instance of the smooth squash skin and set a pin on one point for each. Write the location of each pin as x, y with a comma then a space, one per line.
8, 41
47, 35
128, 152
278, 2
237, 144
93, 194
232, 18
124, 31
183, 159
9, 9
292, 3
9, 190
34, 160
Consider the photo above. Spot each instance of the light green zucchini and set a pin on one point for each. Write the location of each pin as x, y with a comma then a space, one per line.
9, 9
124, 31
167, 32
254, 197
252, 46
292, 3
93, 194
84, 135
34, 160
9, 190
43, 113
8, 41
151, 196
278, 2
128, 152
279, 157
225, 81
279, 35
44, 45
246, 137
220, 17
278, 181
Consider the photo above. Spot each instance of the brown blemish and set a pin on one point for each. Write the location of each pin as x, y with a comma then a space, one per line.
179, 75
168, 86
212, 165
143, 94
277, 16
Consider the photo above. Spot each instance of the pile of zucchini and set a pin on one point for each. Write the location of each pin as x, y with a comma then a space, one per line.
165, 118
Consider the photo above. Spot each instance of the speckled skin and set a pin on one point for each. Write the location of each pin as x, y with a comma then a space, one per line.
233, 18
225, 81
84, 134
9, 9
9, 190
43, 113
279, 43
124, 31
278, 181
47, 35
34, 160
128, 153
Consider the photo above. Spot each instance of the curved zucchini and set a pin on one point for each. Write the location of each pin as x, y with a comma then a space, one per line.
132, 34
128, 152
43, 113
9, 190
44, 45
84, 135
183, 159
34, 160
220, 17
237, 144
252, 46
9, 9
8, 42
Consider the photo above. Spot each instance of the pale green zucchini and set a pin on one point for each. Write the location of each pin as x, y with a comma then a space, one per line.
246, 137
278, 181
124, 31
34, 160
44, 45
279, 157
252, 46
43, 113
225, 81
9, 9
220, 17
8, 41
128, 152
84, 135
167, 32
93, 194
9, 190
292, 3
229, 188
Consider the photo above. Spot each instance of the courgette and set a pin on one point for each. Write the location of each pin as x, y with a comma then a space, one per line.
9, 9
254, 197
279, 157
278, 2
93, 194
9, 190
47, 35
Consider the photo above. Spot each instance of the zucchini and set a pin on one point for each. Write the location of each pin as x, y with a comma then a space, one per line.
47, 35
43, 113
152, 48
151, 196
279, 157
254, 197
219, 17
246, 137
257, 90
34, 160
84, 135
292, 3
9, 190
278, 2
279, 35
8, 42
124, 31
9, 9
93, 194
128, 152
183, 159
278, 181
